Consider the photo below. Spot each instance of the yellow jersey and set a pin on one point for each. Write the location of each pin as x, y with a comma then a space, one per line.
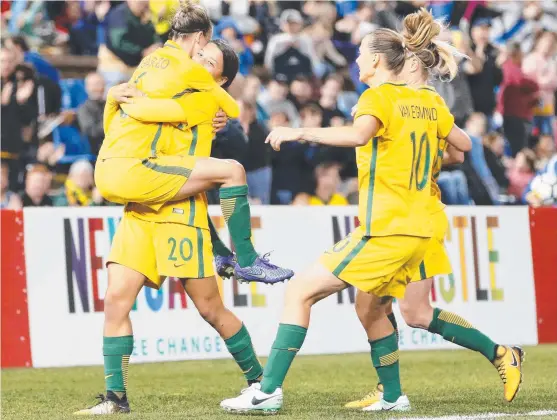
395, 167
169, 72
194, 141
335, 200
436, 203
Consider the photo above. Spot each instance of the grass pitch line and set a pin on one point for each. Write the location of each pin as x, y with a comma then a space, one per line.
541, 413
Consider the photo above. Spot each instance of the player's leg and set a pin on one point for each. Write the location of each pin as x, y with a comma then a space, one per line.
205, 295
383, 341
224, 257
130, 264
417, 312
231, 177
302, 292
124, 285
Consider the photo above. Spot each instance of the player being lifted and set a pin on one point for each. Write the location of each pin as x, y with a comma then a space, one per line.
395, 133
133, 163
418, 30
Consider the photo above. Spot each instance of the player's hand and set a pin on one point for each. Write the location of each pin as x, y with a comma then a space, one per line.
124, 93
280, 135
220, 120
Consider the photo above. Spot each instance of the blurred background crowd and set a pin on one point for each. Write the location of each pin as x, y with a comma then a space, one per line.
297, 65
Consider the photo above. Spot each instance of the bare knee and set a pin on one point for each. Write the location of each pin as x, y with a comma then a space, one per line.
416, 315
237, 173
211, 309
117, 304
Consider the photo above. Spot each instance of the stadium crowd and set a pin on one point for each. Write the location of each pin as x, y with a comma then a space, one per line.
297, 68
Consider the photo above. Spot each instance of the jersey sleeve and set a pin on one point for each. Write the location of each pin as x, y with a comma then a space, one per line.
375, 104
110, 109
200, 79
445, 120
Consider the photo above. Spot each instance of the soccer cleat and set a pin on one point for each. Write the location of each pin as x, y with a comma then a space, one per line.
253, 400
401, 404
262, 271
225, 265
371, 398
509, 365
110, 404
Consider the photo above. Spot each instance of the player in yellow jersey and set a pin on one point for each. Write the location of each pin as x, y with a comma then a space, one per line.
395, 133
146, 248
134, 164
415, 307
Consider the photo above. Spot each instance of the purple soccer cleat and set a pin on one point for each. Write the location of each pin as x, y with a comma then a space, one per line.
262, 271
225, 265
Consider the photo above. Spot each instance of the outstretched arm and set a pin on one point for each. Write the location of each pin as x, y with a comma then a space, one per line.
365, 127
459, 139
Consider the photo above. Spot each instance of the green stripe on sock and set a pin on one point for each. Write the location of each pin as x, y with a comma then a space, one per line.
288, 342
384, 356
117, 351
241, 348
236, 211
456, 329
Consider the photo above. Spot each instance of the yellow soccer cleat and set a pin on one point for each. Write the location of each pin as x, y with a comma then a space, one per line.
509, 365
371, 398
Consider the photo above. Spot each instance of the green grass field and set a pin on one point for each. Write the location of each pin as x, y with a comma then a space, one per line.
438, 383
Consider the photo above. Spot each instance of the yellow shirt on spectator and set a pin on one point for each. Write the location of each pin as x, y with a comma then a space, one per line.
335, 200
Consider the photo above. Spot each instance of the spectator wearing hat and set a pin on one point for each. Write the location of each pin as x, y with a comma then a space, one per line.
541, 65
517, 97
488, 76
229, 31
291, 48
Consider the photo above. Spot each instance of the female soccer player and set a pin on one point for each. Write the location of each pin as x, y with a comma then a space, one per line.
395, 131
416, 309
144, 248
134, 164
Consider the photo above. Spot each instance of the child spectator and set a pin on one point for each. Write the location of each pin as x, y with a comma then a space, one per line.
37, 185
521, 172
328, 182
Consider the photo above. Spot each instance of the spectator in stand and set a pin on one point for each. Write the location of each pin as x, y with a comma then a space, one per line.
521, 172
258, 158
17, 113
301, 92
494, 151
476, 128
252, 90
544, 147
291, 49
8, 199
328, 182
483, 81
329, 57
541, 65
130, 36
90, 114
20, 48
328, 99
79, 187
229, 31
517, 97
86, 30
454, 187
274, 100
37, 185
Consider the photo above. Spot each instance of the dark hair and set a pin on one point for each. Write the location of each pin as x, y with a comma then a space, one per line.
20, 42
311, 109
301, 78
189, 19
230, 64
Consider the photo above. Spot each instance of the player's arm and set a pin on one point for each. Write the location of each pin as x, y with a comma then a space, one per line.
459, 139
200, 79
191, 109
110, 110
452, 156
448, 130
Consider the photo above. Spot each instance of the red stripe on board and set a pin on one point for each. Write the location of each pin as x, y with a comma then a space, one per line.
543, 234
16, 347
